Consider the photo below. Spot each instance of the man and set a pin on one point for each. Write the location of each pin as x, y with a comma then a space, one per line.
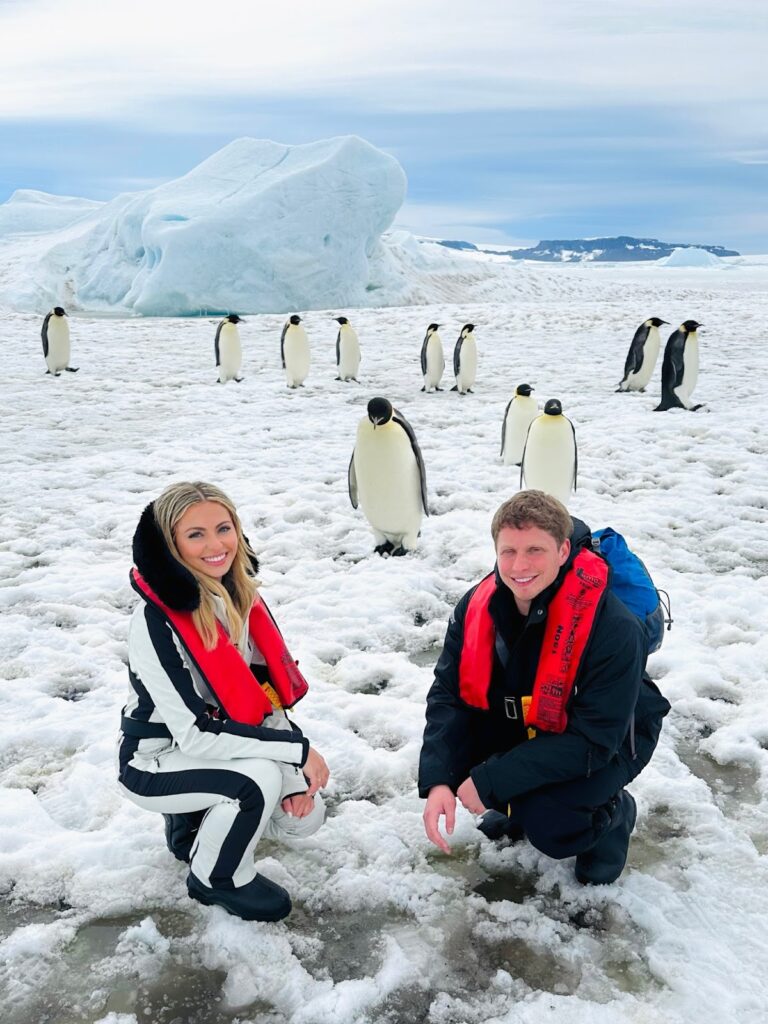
540, 712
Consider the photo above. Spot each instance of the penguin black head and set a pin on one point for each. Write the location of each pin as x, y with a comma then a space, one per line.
432, 327
379, 411
295, 320
691, 325
341, 320
467, 328
234, 318
656, 322
523, 389
553, 407
59, 311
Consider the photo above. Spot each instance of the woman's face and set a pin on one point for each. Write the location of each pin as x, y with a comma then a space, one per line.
206, 538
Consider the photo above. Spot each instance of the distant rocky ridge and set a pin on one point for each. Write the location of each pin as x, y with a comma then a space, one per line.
623, 248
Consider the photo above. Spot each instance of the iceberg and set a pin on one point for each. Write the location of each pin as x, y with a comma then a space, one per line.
29, 211
256, 227
690, 256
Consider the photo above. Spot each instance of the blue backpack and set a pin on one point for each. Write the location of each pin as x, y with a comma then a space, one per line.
631, 583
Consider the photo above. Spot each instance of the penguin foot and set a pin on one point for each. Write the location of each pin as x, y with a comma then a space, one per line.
57, 374
398, 552
470, 391
455, 387
337, 378
239, 380
48, 374
71, 369
424, 388
385, 548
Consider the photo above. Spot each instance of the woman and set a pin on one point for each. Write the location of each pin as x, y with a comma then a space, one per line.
206, 740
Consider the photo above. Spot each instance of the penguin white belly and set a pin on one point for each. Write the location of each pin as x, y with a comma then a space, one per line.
467, 365
296, 354
435, 363
690, 370
388, 483
522, 413
637, 381
58, 344
550, 457
230, 353
349, 354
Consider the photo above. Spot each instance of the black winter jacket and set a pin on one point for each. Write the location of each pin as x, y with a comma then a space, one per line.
615, 711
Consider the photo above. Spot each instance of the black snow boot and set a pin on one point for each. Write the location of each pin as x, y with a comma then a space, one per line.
604, 862
258, 900
180, 832
496, 825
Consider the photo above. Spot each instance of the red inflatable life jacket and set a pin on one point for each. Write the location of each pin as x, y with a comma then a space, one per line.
570, 618
230, 680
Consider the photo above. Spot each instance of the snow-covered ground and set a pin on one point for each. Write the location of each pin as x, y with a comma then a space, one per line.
95, 922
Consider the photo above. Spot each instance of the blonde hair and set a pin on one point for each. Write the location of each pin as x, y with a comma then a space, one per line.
238, 595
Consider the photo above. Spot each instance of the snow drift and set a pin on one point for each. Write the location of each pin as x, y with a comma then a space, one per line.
30, 211
258, 226
691, 257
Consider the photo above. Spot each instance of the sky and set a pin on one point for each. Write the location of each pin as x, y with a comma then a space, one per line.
513, 121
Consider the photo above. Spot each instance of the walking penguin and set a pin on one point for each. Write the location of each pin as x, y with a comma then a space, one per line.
680, 368
294, 352
465, 360
550, 456
518, 416
386, 476
55, 335
347, 350
642, 356
432, 359
229, 352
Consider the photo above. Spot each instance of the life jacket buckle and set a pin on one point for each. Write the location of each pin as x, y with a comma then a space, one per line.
510, 708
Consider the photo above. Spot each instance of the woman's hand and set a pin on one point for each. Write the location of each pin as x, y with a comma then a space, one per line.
316, 771
299, 805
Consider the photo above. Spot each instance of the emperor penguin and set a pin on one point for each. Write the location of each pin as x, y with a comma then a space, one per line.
642, 356
386, 476
550, 456
347, 350
680, 368
294, 352
432, 359
55, 335
229, 352
465, 360
518, 416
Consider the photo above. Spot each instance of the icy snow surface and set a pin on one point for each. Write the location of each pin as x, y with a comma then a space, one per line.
692, 257
257, 226
95, 924
28, 211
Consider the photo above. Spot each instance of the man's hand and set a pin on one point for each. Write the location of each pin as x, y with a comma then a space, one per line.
440, 801
299, 805
468, 795
316, 771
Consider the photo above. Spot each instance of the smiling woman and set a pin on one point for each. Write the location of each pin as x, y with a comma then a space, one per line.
206, 740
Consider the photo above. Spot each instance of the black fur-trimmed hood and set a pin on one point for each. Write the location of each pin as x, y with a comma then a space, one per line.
173, 583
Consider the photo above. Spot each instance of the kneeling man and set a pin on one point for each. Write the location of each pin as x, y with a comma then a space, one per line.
540, 712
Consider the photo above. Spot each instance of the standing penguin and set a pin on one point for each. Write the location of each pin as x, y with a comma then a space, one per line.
294, 352
465, 360
229, 352
680, 368
518, 416
55, 335
432, 359
642, 356
386, 476
550, 457
347, 350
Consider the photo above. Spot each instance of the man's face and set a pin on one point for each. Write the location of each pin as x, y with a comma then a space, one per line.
529, 560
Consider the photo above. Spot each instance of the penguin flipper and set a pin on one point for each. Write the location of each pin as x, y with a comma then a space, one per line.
338, 348
504, 428
44, 334
575, 456
424, 354
282, 343
457, 358
397, 417
352, 481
